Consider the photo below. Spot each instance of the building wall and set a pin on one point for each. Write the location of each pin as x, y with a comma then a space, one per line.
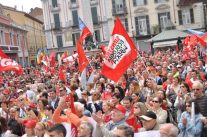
35, 36
106, 14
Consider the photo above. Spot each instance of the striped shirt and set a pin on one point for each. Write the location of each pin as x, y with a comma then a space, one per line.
202, 102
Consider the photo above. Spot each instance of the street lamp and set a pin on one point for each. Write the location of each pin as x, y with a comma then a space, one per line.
204, 13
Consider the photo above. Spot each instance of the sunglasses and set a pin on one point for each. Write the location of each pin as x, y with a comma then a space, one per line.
188, 106
155, 101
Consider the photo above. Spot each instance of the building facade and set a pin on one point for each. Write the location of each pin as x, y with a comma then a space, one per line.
13, 40
35, 37
142, 18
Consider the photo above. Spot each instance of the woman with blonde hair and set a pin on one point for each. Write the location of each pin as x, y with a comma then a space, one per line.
134, 120
133, 88
40, 129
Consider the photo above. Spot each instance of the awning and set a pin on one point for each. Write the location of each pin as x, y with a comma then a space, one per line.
165, 44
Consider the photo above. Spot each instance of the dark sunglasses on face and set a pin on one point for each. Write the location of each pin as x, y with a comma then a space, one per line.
155, 101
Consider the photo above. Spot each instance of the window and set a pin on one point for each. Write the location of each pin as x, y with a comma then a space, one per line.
139, 2
54, 3
73, 1
125, 23
97, 35
59, 41
118, 5
94, 15
57, 20
160, 1
75, 17
11, 38
186, 16
2, 38
18, 40
164, 20
142, 25
75, 36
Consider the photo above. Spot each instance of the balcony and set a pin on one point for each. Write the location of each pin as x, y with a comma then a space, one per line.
9, 48
68, 24
56, 8
94, 2
73, 5
99, 20
56, 26
119, 11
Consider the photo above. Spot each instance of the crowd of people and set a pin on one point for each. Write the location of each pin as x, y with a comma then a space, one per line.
161, 92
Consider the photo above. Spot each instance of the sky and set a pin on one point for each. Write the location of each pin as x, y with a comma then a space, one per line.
27, 4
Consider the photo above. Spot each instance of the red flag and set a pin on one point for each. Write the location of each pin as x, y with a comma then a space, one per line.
83, 61
2, 54
186, 41
206, 58
121, 52
7, 64
202, 40
52, 59
64, 55
62, 75
104, 49
85, 31
177, 48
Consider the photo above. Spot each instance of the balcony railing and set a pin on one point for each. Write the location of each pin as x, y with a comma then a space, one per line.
73, 5
9, 48
56, 26
55, 9
99, 20
119, 11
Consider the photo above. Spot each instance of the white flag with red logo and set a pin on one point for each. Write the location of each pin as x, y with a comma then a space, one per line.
7, 64
120, 53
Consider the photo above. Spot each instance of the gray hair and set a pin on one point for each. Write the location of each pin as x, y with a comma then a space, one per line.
79, 106
128, 130
173, 130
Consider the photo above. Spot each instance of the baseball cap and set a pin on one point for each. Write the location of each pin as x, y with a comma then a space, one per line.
120, 108
30, 123
6, 91
149, 115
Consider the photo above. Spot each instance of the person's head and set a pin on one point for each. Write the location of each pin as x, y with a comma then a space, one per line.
3, 125
106, 106
194, 74
157, 102
127, 102
12, 112
40, 129
139, 109
135, 97
118, 113
14, 127
44, 95
130, 72
149, 120
63, 91
79, 109
100, 86
134, 87
96, 95
124, 131
188, 105
115, 98
49, 110
29, 127
161, 94
197, 89
85, 129
110, 87
176, 80
52, 93
168, 130
42, 103
184, 88
57, 130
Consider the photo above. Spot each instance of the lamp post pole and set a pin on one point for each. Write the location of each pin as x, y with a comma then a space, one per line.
204, 13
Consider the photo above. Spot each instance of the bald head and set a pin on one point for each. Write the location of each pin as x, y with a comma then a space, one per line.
168, 130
